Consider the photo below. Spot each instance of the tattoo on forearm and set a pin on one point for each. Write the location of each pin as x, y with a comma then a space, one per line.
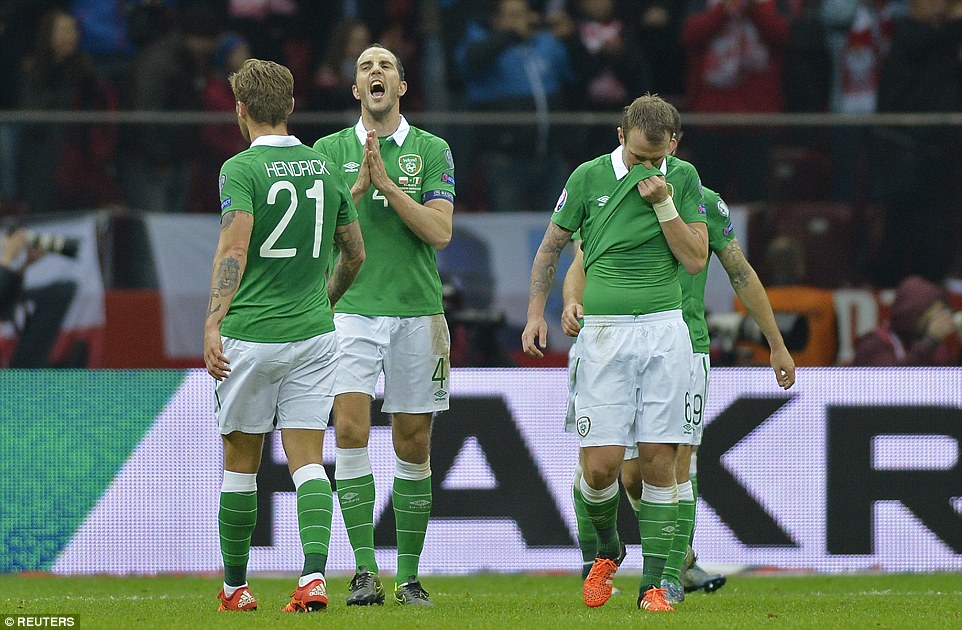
228, 275
227, 219
351, 245
733, 260
545, 266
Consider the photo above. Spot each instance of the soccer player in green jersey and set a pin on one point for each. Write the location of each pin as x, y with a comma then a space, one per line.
722, 242
269, 336
640, 215
392, 319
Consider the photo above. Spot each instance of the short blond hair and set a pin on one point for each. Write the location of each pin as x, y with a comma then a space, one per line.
653, 115
266, 88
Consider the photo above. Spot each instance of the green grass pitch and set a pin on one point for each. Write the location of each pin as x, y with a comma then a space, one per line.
503, 602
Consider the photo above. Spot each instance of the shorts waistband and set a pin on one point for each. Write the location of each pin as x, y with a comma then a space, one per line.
628, 320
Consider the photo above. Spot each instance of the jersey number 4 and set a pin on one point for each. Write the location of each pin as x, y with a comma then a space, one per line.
315, 192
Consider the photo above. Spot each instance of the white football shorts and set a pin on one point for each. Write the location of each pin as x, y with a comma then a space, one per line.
413, 352
632, 376
277, 385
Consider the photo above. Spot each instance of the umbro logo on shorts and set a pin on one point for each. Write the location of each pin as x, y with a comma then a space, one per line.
583, 425
440, 395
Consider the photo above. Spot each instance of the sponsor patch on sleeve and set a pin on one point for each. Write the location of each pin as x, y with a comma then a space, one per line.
447, 195
729, 229
225, 204
702, 209
561, 200
447, 178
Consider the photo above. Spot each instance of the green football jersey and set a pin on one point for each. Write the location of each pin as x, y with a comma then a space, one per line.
629, 267
399, 277
720, 234
297, 198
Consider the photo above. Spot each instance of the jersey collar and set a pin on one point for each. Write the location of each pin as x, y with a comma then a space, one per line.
275, 141
398, 136
618, 163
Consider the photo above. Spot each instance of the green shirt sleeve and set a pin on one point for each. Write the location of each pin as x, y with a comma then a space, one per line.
720, 229
692, 207
438, 172
236, 187
570, 211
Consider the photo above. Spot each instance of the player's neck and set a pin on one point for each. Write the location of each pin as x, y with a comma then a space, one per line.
257, 130
384, 125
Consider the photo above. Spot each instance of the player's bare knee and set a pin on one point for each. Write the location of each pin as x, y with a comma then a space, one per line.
631, 477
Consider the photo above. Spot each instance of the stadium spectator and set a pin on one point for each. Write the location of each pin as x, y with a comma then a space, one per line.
859, 35
658, 24
920, 330
331, 88
633, 243
805, 314
36, 314
392, 319
616, 69
515, 63
64, 166
169, 75
918, 166
735, 53
269, 339
218, 142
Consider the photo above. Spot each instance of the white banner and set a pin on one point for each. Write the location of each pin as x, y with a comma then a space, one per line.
489, 257
851, 469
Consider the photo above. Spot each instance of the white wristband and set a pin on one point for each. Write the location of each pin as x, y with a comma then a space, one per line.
665, 210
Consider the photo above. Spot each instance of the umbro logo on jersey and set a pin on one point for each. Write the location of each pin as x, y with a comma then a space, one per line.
602, 200
351, 167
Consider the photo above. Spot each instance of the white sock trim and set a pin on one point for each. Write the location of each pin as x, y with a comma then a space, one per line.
304, 580
693, 466
578, 476
658, 494
411, 472
230, 590
239, 482
308, 472
635, 503
351, 463
598, 496
685, 492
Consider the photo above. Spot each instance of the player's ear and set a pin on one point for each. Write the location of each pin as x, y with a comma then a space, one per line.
403, 88
621, 137
290, 110
241, 109
357, 95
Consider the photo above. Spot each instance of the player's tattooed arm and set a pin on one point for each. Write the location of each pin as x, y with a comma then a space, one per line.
543, 272
733, 260
230, 260
350, 242
753, 295
545, 266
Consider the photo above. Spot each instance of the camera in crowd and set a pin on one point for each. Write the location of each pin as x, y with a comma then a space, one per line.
54, 243
49, 243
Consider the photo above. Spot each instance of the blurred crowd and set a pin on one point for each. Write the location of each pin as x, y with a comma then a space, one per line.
534, 56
